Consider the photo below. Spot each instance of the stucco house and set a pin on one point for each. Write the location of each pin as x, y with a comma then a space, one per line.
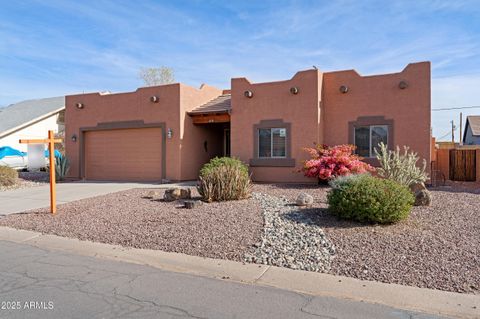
471, 135
31, 119
170, 131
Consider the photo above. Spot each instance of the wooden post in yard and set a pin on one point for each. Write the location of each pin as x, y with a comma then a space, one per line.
51, 150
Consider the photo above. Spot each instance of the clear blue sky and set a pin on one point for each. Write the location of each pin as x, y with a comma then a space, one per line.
51, 48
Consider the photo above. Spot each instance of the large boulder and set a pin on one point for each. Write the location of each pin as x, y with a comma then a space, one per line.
417, 187
153, 194
304, 199
422, 195
423, 198
191, 204
172, 194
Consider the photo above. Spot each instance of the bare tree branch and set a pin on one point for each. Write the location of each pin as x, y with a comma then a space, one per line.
157, 76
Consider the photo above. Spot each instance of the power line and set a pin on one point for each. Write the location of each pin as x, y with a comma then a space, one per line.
443, 136
456, 108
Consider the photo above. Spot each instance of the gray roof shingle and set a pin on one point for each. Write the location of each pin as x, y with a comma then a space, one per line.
474, 122
220, 104
16, 115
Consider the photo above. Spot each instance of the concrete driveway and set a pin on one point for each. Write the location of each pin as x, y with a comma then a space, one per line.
19, 200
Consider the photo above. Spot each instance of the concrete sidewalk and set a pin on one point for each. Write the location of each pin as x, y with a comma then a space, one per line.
20, 200
431, 301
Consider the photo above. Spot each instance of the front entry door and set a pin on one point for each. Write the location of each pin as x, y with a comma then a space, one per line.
226, 142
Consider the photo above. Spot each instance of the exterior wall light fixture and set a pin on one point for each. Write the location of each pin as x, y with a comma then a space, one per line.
169, 133
79, 105
248, 94
344, 89
403, 85
74, 138
294, 90
154, 99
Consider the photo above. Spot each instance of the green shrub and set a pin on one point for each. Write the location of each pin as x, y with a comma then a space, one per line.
8, 176
224, 179
342, 181
366, 198
400, 167
62, 166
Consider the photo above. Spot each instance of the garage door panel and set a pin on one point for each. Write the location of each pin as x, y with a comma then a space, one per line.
124, 154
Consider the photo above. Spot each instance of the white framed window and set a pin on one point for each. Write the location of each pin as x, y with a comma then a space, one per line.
272, 142
368, 137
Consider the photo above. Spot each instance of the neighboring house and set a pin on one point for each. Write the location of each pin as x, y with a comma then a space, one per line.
31, 119
170, 131
472, 131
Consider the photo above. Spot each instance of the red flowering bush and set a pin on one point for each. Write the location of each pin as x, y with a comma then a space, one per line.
329, 162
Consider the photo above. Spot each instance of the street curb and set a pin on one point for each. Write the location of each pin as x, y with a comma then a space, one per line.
404, 297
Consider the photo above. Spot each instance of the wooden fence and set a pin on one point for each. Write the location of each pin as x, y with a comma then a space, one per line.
458, 164
462, 165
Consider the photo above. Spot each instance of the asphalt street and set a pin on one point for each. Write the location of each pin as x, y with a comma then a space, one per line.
37, 283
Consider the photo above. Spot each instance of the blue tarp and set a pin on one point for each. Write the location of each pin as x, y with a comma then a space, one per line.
56, 153
8, 151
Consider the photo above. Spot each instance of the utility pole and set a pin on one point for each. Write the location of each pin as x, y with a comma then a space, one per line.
453, 131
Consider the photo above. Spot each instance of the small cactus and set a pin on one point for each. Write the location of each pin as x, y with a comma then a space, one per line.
62, 165
401, 168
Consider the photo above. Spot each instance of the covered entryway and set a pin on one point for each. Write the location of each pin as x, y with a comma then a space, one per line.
215, 116
132, 154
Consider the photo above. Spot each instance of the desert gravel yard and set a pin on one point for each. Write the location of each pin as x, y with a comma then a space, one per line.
132, 219
28, 179
436, 247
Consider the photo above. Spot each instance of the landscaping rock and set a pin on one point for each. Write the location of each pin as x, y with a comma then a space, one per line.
173, 194
423, 198
291, 239
190, 204
153, 194
304, 199
417, 187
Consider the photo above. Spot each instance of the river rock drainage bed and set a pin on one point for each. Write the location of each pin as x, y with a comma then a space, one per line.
290, 238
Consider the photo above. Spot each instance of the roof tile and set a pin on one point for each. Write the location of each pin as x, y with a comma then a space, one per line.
220, 104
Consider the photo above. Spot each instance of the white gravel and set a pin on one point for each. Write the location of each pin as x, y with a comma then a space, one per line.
290, 238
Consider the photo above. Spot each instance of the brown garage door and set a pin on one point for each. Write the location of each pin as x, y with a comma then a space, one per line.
124, 154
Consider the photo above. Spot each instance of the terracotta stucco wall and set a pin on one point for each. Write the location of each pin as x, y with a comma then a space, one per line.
132, 106
318, 113
443, 162
380, 95
136, 106
433, 150
272, 101
193, 137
